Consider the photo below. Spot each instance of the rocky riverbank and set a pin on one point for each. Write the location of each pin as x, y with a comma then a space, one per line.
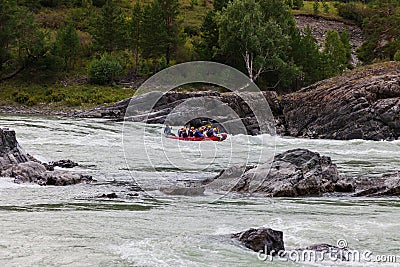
17, 164
362, 104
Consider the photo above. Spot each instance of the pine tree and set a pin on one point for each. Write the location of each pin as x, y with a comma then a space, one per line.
382, 32
135, 33
153, 31
170, 12
68, 45
334, 54
109, 28
306, 55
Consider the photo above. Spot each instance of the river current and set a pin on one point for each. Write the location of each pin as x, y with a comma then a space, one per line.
71, 226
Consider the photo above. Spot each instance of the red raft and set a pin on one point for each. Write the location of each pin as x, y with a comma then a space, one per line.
212, 138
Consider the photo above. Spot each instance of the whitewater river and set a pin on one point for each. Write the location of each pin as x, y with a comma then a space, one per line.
70, 226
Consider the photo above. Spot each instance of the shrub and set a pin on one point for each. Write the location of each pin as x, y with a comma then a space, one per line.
354, 12
297, 4
315, 7
397, 56
325, 6
104, 70
20, 97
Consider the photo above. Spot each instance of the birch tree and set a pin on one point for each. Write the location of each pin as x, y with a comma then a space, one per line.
245, 31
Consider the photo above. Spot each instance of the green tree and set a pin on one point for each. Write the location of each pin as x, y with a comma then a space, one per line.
68, 45
345, 38
170, 12
316, 7
153, 31
22, 43
109, 28
306, 55
208, 46
334, 54
135, 33
382, 32
249, 30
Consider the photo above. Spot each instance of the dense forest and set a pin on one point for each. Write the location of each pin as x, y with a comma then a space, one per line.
62, 43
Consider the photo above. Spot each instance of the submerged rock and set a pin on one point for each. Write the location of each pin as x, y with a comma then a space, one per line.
15, 163
184, 191
262, 239
294, 173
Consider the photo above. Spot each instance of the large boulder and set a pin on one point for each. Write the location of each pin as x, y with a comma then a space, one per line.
294, 173
262, 239
363, 104
10, 150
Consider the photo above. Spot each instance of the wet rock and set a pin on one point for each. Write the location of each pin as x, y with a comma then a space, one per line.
267, 240
170, 105
10, 150
294, 173
64, 163
362, 104
386, 185
110, 195
34, 172
24, 168
184, 191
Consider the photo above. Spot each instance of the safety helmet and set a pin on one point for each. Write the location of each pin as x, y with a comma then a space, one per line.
209, 126
192, 128
215, 129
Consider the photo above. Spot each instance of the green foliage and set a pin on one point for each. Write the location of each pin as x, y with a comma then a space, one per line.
161, 29
20, 97
104, 70
306, 55
153, 31
257, 32
109, 28
396, 56
355, 12
193, 3
334, 54
134, 33
345, 39
297, 4
207, 47
316, 7
382, 32
68, 45
170, 36
325, 6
